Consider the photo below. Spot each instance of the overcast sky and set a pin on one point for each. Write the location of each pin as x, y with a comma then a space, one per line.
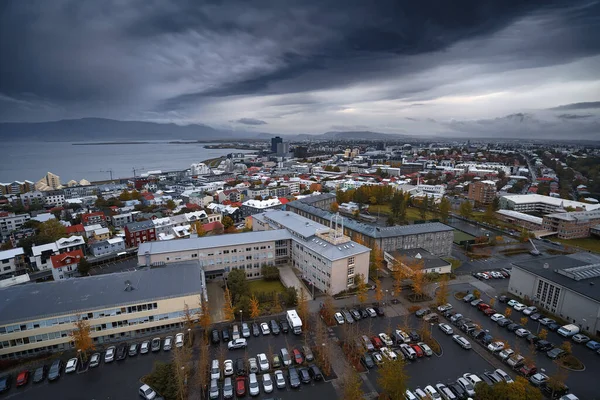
469, 67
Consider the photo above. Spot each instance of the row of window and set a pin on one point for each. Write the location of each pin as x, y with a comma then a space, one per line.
73, 318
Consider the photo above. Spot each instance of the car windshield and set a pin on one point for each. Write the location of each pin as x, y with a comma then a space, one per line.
38, 373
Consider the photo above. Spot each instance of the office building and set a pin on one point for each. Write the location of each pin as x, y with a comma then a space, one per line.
542, 204
572, 225
565, 285
39, 318
10, 222
412, 259
482, 192
520, 219
274, 142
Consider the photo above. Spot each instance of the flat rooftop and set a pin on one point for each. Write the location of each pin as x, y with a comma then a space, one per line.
35, 301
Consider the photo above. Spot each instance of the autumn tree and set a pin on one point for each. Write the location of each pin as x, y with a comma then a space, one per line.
204, 318
566, 347
227, 222
520, 389
303, 307
276, 306
334, 207
492, 302
181, 367
444, 209
466, 209
328, 309
81, 337
441, 296
237, 282
198, 227
393, 379
228, 310
375, 260
189, 320
507, 312
171, 205
523, 321
417, 277
398, 275
202, 368
557, 380
489, 215
351, 383
477, 294
254, 307
543, 334
321, 349
378, 291
52, 230
361, 288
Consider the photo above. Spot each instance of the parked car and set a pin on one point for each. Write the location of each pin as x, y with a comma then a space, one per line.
146, 392
592, 344
308, 354
408, 352
155, 345
414, 336
298, 359
240, 386
422, 312
285, 357
476, 302
469, 298
267, 383
213, 390
237, 344
255, 330
225, 335
264, 327
522, 332
347, 316
367, 361
228, 367
168, 343
401, 336
109, 356
293, 377
431, 317
355, 314
253, 387
464, 343
530, 310
215, 370
426, 349
133, 349
276, 361
532, 339
447, 329
122, 352
371, 311
240, 367
387, 341
179, 340
553, 327
505, 377
535, 316
285, 327
245, 330
543, 345
444, 307
555, 353
315, 372
304, 375
366, 342
580, 338
279, 379
466, 386
71, 366
377, 358
495, 346
504, 322
545, 321
145, 347
228, 388
515, 361
263, 362
379, 311
512, 303
40, 374
339, 318
538, 378
363, 313
95, 360
505, 354
22, 378
55, 370
418, 350
252, 365
527, 370
390, 354
5, 383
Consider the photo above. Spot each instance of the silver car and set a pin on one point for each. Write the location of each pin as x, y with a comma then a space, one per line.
279, 379
227, 388
253, 387
213, 392
95, 360
109, 356
267, 383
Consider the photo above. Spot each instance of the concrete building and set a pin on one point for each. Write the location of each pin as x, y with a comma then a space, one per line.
94, 218
32, 198
54, 198
12, 222
120, 220
421, 258
572, 225
252, 207
75, 242
482, 192
12, 262
40, 259
139, 232
519, 219
565, 285
541, 204
16, 187
434, 237
39, 318
64, 266
274, 142
49, 182
106, 247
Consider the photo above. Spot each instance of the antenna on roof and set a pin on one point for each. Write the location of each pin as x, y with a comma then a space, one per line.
128, 287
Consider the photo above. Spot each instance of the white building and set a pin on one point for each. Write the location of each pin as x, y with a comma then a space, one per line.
54, 199
41, 256
12, 222
109, 246
12, 261
541, 204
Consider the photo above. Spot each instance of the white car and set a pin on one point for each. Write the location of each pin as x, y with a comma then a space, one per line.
264, 327
580, 338
538, 379
386, 339
263, 362
237, 344
445, 307
279, 379
372, 313
377, 358
546, 321
472, 378
464, 343
179, 340
432, 393
497, 317
512, 303
495, 346
95, 360
147, 392
447, 329
426, 349
506, 353
215, 370
522, 332
466, 385
267, 383
145, 347
71, 366
339, 318
228, 367
253, 385
504, 376
530, 310
519, 307
389, 354
109, 356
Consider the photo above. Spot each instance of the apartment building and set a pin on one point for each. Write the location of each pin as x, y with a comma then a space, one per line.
16, 187
139, 232
572, 225
11, 222
522, 220
32, 198
482, 192
38, 319
94, 218
40, 258
12, 262
106, 247
252, 207
54, 198
120, 220
64, 266
542, 204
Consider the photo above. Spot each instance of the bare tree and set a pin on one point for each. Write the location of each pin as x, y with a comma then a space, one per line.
181, 365
202, 369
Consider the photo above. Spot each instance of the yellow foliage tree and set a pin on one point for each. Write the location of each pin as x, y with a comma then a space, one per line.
441, 296
303, 307
228, 309
378, 291
254, 307
362, 289
507, 312
81, 337
543, 334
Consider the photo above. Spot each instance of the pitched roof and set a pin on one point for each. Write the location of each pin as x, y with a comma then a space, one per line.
75, 228
71, 257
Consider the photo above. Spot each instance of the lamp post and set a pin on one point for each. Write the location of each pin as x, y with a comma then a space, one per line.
79, 354
386, 296
190, 336
241, 318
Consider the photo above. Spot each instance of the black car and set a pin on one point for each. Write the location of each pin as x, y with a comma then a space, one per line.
240, 367
275, 327
457, 390
503, 322
378, 310
363, 313
503, 299
477, 334
531, 338
487, 379
315, 372
487, 339
121, 352
214, 337
293, 377
367, 361
535, 316
155, 345
513, 327
544, 345
55, 370
414, 336
255, 330
422, 312
40, 374
553, 326
5, 383
304, 375
225, 335
554, 392
285, 327
355, 314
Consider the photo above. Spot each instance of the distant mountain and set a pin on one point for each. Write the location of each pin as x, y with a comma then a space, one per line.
102, 130
351, 135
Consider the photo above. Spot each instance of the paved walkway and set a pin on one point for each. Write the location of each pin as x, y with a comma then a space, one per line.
289, 279
216, 296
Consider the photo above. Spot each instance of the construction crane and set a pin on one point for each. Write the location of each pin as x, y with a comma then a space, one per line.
137, 169
110, 171
535, 251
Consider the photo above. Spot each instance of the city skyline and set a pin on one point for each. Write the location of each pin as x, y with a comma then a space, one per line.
480, 69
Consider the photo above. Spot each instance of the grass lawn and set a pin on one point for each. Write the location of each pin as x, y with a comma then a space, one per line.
460, 236
413, 214
260, 285
590, 243
455, 262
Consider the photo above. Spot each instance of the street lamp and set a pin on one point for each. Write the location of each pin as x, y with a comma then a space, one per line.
79, 354
386, 296
241, 320
190, 336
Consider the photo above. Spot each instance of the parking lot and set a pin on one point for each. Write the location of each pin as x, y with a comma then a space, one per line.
577, 381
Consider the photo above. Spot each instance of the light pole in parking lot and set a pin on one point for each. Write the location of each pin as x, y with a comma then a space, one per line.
241, 320
189, 336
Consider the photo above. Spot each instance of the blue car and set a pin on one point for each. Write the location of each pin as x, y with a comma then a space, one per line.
592, 344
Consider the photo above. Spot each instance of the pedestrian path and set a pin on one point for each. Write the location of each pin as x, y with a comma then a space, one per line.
289, 279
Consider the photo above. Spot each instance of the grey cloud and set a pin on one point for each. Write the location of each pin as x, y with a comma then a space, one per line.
250, 121
573, 116
578, 106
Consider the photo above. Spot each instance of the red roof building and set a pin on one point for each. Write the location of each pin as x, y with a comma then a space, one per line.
213, 227
94, 218
75, 230
64, 265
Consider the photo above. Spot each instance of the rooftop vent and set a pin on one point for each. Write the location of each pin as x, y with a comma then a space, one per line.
128, 287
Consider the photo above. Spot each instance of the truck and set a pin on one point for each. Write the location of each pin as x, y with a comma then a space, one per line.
568, 330
295, 322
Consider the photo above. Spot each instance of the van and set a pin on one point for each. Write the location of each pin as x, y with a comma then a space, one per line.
568, 330
285, 357
215, 371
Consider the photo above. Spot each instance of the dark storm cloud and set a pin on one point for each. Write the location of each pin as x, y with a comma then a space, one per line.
250, 121
578, 106
73, 58
573, 116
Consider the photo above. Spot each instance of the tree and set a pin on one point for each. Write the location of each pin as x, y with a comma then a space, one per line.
81, 337
243, 306
520, 389
375, 260
557, 380
189, 320
204, 318
199, 228
328, 309
398, 274
228, 306
163, 379
477, 294
254, 307
202, 368
83, 267
566, 347
444, 209
269, 272
378, 290
181, 361
523, 321
489, 215
492, 302
334, 207
393, 379
238, 284
543, 334
227, 222
52, 230
507, 312
290, 296
276, 308
125, 195
466, 209
171, 205
303, 307
351, 383
441, 296
361, 288
417, 276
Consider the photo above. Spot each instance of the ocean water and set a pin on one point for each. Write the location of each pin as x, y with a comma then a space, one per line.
31, 160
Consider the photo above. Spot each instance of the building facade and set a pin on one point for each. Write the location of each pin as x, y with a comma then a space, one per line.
120, 220
139, 232
12, 262
421, 259
64, 266
482, 192
519, 219
572, 225
133, 305
106, 247
542, 204
12, 222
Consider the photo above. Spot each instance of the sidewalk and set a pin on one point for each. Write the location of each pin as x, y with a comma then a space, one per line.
289, 279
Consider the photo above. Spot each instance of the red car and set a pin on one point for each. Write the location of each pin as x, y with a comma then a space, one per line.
377, 342
240, 386
483, 306
417, 350
489, 311
298, 357
528, 370
22, 378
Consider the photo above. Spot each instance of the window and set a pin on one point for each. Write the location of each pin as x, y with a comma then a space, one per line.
351, 281
350, 271
350, 261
